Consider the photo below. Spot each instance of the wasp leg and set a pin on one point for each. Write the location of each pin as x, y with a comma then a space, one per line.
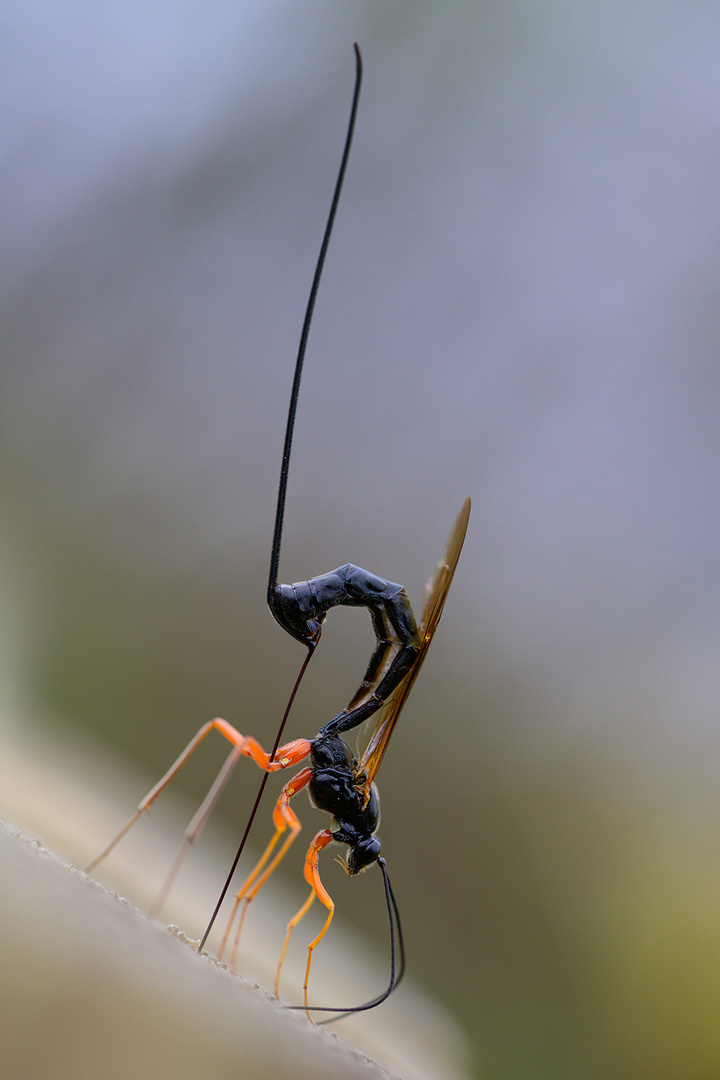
196, 826
284, 817
312, 876
246, 745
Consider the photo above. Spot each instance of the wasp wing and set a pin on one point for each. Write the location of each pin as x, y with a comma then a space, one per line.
436, 592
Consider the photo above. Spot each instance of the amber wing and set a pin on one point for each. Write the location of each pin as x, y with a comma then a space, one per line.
436, 592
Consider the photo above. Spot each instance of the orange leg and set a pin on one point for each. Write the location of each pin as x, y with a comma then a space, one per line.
246, 745
312, 876
284, 817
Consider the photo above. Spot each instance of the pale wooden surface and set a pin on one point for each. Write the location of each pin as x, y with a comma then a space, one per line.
92, 988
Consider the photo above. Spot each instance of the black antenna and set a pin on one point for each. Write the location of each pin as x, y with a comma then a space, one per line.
394, 920
284, 468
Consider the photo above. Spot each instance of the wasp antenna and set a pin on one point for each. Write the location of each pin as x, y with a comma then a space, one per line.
396, 970
282, 487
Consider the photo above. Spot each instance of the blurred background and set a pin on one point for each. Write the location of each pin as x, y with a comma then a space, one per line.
520, 304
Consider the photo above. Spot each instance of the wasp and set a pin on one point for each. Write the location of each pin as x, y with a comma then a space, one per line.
338, 783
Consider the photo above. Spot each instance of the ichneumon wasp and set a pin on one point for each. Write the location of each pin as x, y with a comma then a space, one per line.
336, 781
